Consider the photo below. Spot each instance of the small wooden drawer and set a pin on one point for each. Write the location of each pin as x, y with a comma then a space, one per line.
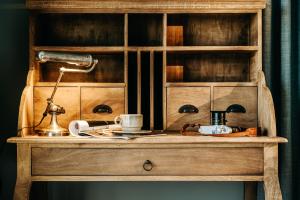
245, 96
198, 97
142, 162
67, 97
113, 98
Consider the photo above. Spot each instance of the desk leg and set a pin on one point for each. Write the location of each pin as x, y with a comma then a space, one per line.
271, 181
23, 183
272, 188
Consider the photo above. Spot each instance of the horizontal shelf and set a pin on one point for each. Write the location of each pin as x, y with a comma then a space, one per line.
79, 49
150, 48
79, 84
208, 84
213, 48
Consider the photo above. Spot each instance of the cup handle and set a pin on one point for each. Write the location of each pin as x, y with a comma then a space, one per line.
118, 118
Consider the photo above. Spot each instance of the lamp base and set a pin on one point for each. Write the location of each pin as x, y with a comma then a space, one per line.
50, 132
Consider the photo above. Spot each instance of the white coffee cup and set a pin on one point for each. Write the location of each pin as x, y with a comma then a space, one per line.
130, 122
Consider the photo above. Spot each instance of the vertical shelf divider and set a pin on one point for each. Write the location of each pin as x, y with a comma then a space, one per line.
259, 35
139, 83
152, 90
126, 60
165, 21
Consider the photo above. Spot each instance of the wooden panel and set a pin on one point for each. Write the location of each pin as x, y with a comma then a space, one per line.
245, 96
67, 97
91, 97
23, 182
177, 97
147, 178
271, 180
266, 111
25, 118
169, 140
223, 29
146, 5
145, 30
193, 161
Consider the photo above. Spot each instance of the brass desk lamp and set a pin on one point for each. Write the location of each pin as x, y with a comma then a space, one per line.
79, 60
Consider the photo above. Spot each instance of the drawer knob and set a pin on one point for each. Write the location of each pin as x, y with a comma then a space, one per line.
188, 109
102, 109
148, 165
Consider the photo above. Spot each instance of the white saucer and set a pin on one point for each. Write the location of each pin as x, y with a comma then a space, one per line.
133, 132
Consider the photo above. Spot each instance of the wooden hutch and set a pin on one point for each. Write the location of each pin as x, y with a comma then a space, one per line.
154, 57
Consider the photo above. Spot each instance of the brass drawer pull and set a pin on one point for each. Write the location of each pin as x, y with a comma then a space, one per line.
188, 109
148, 165
102, 109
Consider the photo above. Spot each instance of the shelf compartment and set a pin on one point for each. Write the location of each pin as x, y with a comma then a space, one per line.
110, 69
145, 29
68, 29
222, 29
212, 67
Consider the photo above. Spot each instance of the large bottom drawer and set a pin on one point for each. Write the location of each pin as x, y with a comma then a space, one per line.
154, 162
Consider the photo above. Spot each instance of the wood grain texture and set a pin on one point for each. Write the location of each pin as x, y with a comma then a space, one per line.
175, 35
146, 5
196, 96
164, 89
88, 29
67, 97
175, 73
186, 162
266, 110
245, 96
223, 29
23, 183
91, 97
212, 67
151, 95
139, 83
162, 141
26, 118
147, 178
271, 181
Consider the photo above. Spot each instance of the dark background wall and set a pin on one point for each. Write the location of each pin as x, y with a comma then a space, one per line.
13, 71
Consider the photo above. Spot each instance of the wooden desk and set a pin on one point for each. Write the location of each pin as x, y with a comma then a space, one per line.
162, 158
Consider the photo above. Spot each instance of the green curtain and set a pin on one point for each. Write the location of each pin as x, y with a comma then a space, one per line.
281, 66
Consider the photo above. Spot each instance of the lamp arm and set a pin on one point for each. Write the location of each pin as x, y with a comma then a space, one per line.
63, 69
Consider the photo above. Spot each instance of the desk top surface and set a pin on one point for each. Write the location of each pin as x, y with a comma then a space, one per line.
163, 139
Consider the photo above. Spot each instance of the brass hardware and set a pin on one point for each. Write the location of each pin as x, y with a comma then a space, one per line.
102, 108
188, 109
148, 166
